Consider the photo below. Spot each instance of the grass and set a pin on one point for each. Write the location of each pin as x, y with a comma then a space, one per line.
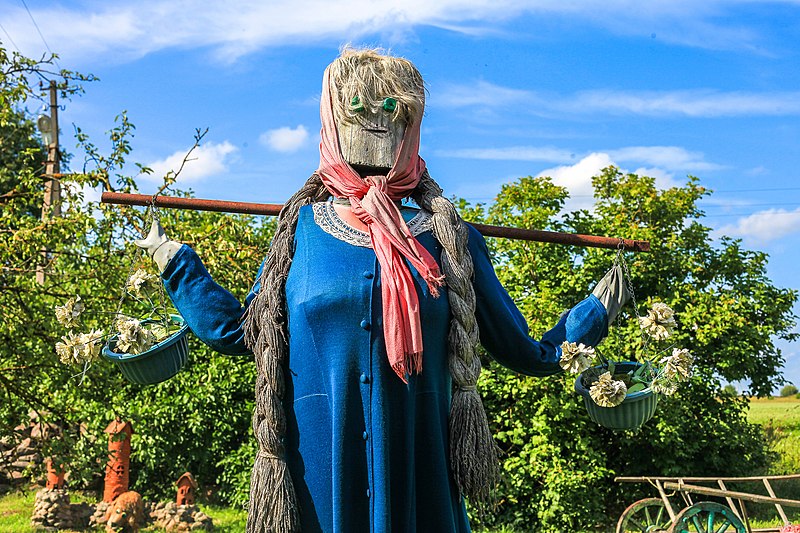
780, 418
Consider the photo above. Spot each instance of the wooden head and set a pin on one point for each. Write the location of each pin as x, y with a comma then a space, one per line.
375, 97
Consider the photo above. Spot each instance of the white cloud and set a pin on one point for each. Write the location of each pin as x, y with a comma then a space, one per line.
206, 160
511, 153
668, 157
764, 226
700, 103
85, 31
285, 139
696, 103
481, 93
658, 162
577, 179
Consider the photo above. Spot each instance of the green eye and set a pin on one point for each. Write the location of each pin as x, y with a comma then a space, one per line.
356, 105
389, 104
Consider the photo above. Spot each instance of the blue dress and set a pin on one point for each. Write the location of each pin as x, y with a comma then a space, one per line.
367, 452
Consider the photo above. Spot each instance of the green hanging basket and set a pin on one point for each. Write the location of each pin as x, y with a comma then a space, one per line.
637, 408
157, 364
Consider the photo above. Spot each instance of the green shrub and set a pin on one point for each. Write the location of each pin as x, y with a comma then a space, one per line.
788, 390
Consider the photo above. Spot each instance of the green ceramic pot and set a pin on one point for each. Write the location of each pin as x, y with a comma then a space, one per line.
157, 364
632, 413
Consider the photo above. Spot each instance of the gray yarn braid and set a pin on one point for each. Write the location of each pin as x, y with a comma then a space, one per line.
473, 453
273, 504
473, 457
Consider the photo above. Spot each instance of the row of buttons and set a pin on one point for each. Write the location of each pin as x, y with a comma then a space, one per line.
364, 378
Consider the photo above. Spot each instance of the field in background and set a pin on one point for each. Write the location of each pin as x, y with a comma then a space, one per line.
780, 418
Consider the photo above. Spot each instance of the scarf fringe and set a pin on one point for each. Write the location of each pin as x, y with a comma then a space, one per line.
411, 364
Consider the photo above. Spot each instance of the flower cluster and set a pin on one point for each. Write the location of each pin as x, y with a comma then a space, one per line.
68, 314
140, 281
575, 358
133, 337
607, 391
659, 322
81, 348
608, 388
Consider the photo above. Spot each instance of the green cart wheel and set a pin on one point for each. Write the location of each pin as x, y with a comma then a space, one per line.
707, 517
645, 516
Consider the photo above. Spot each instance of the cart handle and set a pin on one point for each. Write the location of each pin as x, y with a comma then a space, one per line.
746, 496
648, 479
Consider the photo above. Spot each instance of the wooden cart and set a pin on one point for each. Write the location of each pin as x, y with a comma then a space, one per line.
661, 514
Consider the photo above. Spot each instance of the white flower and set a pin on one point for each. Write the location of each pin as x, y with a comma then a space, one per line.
575, 358
664, 386
90, 345
678, 365
82, 348
68, 314
659, 322
132, 337
64, 349
607, 391
139, 280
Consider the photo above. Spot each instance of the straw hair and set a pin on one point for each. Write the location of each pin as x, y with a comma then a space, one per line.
372, 77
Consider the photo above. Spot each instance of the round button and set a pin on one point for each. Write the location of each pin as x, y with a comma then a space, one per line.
365, 324
365, 435
364, 378
368, 274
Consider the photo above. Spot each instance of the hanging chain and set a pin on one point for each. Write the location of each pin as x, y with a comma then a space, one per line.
152, 211
626, 275
162, 296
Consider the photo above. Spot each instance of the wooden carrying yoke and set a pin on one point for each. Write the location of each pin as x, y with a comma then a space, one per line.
575, 239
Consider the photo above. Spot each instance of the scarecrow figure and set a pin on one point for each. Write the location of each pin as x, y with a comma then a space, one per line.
363, 320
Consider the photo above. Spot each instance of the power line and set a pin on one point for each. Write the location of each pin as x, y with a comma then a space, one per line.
762, 214
39, 32
745, 206
10, 39
757, 190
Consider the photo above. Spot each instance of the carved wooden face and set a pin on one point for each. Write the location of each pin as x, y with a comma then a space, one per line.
371, 139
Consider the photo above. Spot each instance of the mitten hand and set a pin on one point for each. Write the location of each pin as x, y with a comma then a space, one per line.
612, 292
158, 246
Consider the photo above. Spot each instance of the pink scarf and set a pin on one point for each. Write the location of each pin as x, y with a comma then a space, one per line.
372, 201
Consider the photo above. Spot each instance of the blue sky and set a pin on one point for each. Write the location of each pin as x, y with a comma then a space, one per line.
560, 88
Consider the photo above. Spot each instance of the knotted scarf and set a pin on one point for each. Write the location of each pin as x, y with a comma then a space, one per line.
372, 200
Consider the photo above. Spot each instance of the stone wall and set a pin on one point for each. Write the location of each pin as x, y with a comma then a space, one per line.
53, 512
20, 456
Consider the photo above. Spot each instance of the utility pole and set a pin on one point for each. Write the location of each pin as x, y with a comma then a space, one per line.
51, 206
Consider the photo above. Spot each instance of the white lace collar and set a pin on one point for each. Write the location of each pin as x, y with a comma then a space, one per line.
328, 220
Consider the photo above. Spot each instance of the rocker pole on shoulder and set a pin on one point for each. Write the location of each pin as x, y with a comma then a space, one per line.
250, 208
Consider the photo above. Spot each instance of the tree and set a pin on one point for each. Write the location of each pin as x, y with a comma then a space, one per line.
199, 420
730, 390
559, 466
788, 390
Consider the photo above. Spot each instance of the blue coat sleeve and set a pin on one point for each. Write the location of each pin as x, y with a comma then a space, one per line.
213, 314
504, 331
